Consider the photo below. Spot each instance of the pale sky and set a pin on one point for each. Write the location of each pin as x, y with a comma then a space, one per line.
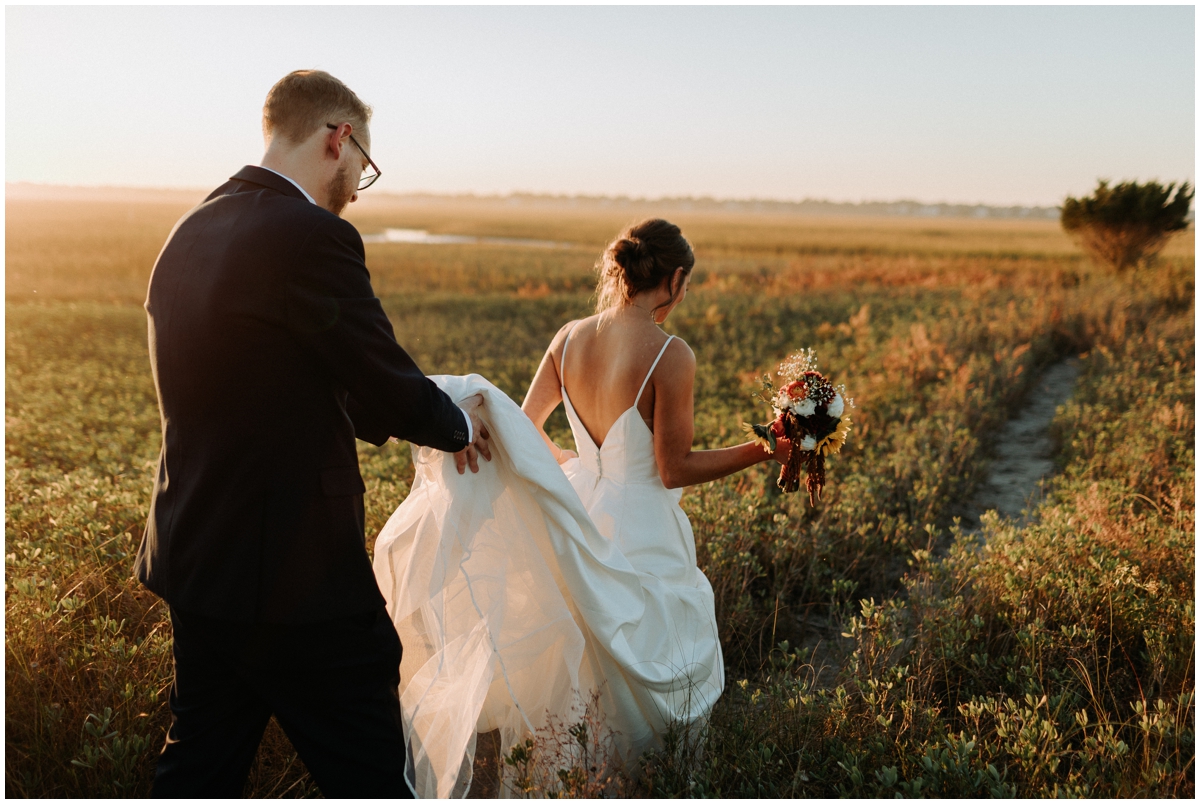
997, 105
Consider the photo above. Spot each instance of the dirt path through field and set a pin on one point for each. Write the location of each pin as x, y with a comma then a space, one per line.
1023, 458
1024, 450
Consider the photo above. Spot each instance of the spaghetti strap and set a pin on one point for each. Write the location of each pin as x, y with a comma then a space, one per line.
653, 366
562, 361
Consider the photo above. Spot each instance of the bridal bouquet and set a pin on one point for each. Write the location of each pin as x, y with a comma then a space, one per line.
810, 411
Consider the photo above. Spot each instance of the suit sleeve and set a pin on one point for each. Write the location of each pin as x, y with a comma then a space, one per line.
332, 309
366, 427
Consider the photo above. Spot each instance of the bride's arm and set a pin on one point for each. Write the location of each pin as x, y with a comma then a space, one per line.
678, 464
545, 393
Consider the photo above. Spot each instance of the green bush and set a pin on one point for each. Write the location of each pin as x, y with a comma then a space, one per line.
1123, 225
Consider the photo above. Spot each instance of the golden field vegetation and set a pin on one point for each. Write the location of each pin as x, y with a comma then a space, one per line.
1048, 659
99, 245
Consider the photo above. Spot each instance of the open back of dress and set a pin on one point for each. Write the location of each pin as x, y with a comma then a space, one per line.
521, 589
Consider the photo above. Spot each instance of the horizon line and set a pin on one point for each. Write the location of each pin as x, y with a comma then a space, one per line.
580, 196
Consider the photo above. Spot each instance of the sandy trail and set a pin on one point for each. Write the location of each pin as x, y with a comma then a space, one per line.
1024, 450
1023, 458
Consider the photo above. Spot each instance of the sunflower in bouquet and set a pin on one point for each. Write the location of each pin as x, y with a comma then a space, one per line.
811, 412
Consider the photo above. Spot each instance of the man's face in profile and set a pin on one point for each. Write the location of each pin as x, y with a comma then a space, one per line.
343, 187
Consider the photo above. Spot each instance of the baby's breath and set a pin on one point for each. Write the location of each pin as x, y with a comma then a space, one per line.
794, 366
841, 389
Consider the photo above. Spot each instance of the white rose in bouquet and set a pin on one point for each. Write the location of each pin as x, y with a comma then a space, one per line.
805, 407
836, 407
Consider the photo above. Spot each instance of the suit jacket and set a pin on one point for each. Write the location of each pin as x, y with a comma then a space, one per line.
270, 354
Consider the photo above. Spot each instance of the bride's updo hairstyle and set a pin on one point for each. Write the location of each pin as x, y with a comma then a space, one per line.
641, 258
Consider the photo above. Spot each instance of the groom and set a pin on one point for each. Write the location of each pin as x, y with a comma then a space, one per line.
270, 355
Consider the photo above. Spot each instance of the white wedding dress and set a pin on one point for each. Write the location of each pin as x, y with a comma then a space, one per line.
520, 590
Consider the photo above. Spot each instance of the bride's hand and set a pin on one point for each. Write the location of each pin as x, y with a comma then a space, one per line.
565, 455
783, 448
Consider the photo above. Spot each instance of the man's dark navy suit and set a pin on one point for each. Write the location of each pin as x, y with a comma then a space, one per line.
271, 354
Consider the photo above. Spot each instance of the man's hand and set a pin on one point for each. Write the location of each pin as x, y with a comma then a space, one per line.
470, 456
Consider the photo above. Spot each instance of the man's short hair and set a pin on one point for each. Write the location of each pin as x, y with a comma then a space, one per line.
305, 100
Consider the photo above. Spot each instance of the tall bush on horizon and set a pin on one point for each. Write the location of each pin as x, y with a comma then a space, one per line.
1123, 225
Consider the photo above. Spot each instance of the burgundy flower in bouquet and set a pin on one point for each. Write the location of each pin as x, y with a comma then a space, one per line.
811, 412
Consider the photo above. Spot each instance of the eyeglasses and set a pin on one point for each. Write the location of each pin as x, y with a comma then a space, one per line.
365, 181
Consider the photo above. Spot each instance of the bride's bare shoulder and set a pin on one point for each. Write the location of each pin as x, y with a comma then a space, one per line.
678, 360
560, 337
555, 349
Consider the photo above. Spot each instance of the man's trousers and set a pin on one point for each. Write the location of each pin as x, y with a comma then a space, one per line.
331, 685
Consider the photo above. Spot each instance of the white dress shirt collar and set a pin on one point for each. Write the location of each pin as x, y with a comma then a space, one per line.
293, 181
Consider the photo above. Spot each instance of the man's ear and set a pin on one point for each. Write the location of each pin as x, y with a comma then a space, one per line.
334, 139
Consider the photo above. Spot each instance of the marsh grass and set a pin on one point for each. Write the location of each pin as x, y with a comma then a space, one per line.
1051, 660
937, 344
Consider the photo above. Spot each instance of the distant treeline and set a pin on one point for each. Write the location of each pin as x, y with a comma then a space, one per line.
805, 207
23, 191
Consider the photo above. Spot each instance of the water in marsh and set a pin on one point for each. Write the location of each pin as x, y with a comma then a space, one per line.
422, 237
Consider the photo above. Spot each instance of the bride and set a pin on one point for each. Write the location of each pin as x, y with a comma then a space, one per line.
551, 576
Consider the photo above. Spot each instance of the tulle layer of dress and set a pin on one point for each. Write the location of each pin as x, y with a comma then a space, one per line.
515, 599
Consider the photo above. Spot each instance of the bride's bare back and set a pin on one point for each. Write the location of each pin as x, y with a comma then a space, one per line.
610, 355
605, 366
